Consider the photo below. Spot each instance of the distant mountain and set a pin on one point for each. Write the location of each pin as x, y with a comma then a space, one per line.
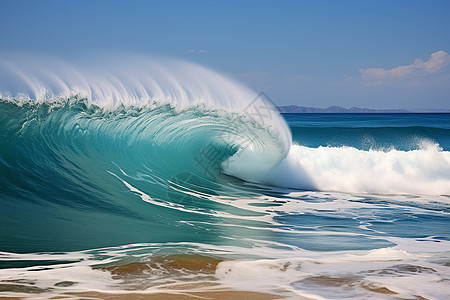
336, 109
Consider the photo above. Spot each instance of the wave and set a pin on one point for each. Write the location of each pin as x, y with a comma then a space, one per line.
64, 124
181, 105
65, 141
112, 82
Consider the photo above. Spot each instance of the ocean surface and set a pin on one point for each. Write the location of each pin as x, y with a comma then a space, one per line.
181, 182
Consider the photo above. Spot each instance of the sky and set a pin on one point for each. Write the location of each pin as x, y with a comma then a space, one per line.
374, 54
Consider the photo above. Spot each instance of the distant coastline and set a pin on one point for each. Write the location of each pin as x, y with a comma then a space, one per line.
337, 110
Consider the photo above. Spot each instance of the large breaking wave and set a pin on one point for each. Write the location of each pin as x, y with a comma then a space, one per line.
68, 123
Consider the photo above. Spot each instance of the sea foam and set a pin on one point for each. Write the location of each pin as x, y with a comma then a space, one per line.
347, 169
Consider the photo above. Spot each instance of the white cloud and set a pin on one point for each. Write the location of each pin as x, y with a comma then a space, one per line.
438, 62
197, 51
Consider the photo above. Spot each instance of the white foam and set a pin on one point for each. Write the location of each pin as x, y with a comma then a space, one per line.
286, 271
346, 169
403, 273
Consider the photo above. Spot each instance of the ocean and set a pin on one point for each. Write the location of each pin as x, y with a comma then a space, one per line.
184, 184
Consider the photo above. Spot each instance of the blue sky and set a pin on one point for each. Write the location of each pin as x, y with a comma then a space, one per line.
376, 54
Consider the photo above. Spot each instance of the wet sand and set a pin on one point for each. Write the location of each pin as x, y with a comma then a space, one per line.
175, 262
219, 295
137, 285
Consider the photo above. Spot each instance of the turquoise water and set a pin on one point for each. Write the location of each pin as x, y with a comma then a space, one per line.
356, 206
63, 174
